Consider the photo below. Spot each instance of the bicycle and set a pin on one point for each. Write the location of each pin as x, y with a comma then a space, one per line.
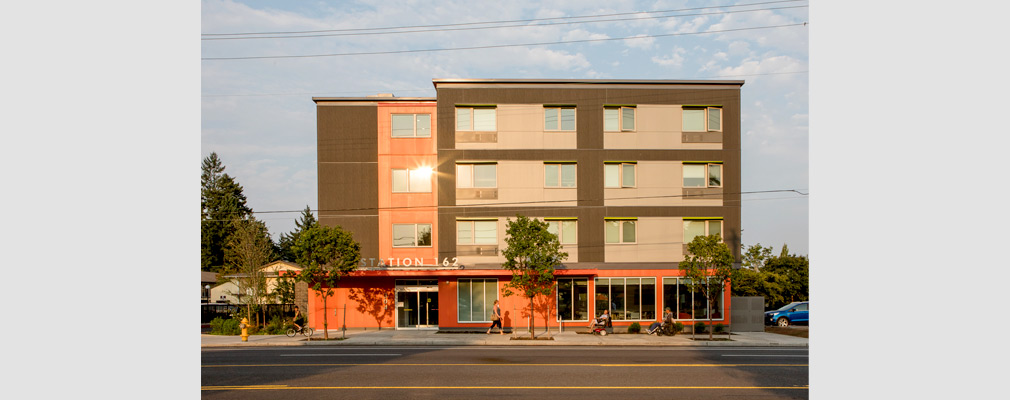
305, 331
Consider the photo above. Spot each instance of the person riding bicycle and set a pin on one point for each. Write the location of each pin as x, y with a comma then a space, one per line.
298, 319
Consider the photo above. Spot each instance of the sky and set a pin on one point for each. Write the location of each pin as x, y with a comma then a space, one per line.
257, 112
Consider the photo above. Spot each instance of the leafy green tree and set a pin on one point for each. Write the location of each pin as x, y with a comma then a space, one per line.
249, 248
284, 292
531, 254
221, 202
326, 254
709, 265
779, 279
756, 256
795, 273
287, 241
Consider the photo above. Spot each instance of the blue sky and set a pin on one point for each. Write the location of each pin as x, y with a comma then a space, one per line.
258, 116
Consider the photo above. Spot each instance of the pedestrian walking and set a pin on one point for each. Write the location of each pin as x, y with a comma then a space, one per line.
496, 319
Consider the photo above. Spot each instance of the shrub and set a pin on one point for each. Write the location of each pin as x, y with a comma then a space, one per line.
718, 328
699, 327
678, 327
276, 326
634, 328
219, 326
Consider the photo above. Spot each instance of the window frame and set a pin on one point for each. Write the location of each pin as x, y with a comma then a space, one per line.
392, 181
560, 234
705, 118
416, 235
708, 222
559, 111
620, 118
415, 135
707, 174
574, 295
620, 230
624, 284
561, 166
488, 303
473, 231
675, 308
473, 176
472, 114
620, 174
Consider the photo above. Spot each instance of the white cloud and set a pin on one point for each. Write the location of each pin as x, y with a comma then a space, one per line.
580, 34
676, 59
640, 42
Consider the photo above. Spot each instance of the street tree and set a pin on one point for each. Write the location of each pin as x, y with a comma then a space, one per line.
709, 266
531, 254
326, 254
794, 271
221, 202
286, 243
756, 256
249, 248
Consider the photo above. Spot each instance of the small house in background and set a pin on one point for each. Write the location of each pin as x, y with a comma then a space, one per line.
228, 292
207, 281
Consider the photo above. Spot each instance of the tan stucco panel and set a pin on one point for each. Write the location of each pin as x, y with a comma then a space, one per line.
658, 240
521, 184
521, 126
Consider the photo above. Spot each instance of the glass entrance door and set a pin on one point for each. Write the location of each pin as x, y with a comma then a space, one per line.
416, 304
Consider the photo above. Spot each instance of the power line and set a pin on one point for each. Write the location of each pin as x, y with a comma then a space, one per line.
502, 26
500, 45
496, 22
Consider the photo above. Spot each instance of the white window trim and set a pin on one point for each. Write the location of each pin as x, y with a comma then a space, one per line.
473, 232
722, 234
415, 126
620, 231
560, 166
473, 176
557, 297
559, 129
705, 118
471, 108
392, 183
561, 231
620, 175
486, 300
675, 309
416, 234
705, 175
620, 118
656, 294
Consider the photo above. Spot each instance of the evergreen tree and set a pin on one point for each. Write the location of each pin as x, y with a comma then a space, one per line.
287, 240
221, 202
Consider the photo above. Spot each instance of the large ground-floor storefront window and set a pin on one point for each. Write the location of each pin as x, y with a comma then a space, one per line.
475, 299
678, 296
573, 299
627, 298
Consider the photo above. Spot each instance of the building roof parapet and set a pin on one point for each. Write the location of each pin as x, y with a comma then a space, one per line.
455, 81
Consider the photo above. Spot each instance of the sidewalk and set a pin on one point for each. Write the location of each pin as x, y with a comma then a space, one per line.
390, 337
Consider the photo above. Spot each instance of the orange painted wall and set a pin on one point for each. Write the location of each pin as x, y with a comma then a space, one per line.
404, 208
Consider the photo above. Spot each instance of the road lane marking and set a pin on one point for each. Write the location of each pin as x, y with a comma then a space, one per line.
335, 354
283, 387
500, 365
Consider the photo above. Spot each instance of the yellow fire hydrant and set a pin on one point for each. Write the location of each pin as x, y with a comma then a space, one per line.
245, 329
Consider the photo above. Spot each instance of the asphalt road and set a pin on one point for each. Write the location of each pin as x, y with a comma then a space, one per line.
310, 372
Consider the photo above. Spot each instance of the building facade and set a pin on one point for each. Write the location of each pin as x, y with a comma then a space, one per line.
625, 172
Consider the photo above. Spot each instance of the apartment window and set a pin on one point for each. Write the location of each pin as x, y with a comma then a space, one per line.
620, 230
477, 232
475, 299
476, 119
476, 175
559, 118
686, 304
627, 298
701, 227
559, 175
565, 229
411, 235
618, 118
702, 119
702, 175
412, 181
619, 175
573, 299
411, 125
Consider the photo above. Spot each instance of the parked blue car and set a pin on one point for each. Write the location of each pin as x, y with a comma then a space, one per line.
792, 313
